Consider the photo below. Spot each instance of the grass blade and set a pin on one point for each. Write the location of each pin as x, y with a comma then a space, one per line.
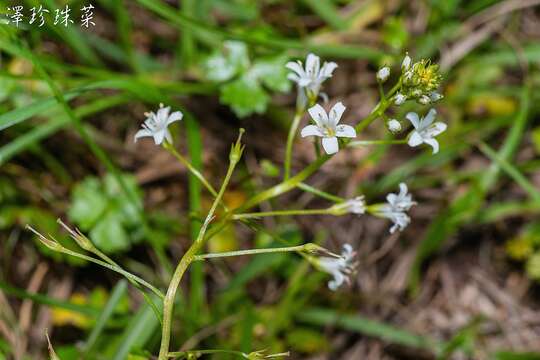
118, 292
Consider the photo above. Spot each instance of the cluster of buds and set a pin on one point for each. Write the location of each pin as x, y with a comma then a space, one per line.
420, 81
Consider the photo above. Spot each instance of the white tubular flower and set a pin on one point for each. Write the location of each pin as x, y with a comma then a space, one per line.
394, 126
425, 130
327, 127
399, 99
341, 268
396, 207
156, 124
383, 74
407, 61
313, 75
356, 205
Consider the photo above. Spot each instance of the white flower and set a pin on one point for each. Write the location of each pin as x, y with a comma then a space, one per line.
395, 208
425, 130
356, 205
406, 64
313, 75
156, 124
327, 127
394, 126
341, 267
383, 74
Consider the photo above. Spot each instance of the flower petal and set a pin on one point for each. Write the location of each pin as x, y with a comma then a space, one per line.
168, 136
413, 118
175, 116
330, 145
319, 115
428, 119
159, 136
163, 114
293, 77
143, 133
296, 66
327, 69
436, 129
345, 131
433, 143
311, 130
336, 112
415, 139
312, 64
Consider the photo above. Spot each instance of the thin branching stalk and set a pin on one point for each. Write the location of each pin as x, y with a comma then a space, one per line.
168, 302
309, 247
290, 142
281, 213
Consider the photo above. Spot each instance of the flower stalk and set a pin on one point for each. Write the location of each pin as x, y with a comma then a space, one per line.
189, 256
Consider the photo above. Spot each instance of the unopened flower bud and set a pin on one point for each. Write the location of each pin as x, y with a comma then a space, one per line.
424, 100
406, 64
394, 126
399, 99
383, 74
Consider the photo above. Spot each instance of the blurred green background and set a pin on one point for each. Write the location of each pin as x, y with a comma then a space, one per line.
459, 283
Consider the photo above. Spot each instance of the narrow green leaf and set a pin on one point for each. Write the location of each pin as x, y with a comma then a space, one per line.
356, 323
118, 292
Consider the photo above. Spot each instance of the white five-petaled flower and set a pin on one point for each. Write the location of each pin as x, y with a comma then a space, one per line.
156, 124
394, 126
340, 267
313, 75
425, 130
396, 207
383, 74
327, 127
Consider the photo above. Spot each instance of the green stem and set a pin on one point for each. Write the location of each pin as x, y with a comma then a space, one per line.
299, 248
170, 148
320, 193
280, 213
57, 247
168, 302
290, 142
375, 142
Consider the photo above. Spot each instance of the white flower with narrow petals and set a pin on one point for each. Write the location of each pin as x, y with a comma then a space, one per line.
156, 124
326, 126
313, 75
396, 207
383, 74
425, 130
340, 267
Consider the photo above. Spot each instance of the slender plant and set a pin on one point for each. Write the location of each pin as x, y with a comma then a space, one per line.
417, 82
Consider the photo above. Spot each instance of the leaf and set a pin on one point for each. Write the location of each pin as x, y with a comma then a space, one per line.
272, 73
126, 208
325, 317
245, 96
88, 203
109, 234
508, 355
